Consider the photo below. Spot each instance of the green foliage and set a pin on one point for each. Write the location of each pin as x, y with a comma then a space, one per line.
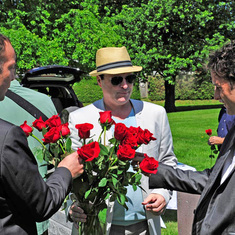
166, 36
33, 51
188, 87
169, 36
87, 90
81, 34
156, 88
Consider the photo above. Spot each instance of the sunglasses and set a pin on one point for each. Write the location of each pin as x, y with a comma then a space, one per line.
118, 79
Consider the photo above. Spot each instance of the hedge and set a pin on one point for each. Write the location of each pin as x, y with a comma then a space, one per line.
188, 87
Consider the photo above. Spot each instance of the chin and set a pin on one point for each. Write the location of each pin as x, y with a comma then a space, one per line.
123, 100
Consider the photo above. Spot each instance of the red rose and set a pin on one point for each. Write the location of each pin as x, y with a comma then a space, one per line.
120, 131
52, 135
130, 138
209, 132
149, 165
65, 129
26, 128
84, 130
39, 124
145, 136
89, 151
53, 121
106, 117
125, 152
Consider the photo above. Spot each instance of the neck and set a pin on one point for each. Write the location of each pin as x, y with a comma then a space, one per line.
120, 111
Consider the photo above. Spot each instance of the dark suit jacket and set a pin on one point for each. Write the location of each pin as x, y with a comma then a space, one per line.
215, 213
25, 198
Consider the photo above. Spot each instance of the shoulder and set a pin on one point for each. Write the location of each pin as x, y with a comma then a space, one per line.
95, 107
11, 133
143, 106
5, 126
87, 109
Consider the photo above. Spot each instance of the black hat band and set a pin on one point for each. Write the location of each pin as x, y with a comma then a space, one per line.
114, 65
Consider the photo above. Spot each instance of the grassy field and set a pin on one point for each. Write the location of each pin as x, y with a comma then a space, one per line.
190, 146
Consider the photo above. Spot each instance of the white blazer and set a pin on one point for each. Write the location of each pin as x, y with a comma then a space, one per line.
148, 116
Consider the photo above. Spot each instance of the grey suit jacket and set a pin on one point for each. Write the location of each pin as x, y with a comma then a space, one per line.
24, 196
215, 213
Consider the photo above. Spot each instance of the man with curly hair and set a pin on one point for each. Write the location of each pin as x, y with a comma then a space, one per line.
215, 212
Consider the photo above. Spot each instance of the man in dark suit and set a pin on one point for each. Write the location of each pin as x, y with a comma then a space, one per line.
215, 213
24, 196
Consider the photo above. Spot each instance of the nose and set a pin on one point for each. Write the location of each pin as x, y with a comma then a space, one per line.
124, 84
217, 94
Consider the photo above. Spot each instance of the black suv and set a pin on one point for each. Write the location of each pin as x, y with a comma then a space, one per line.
55, 81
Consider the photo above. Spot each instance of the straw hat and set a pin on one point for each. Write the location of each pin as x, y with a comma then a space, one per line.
113, 60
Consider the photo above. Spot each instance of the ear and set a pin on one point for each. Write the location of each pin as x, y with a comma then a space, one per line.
98, 78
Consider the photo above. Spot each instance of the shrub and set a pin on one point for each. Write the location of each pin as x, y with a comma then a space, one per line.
187, 87
87, 90
156, 88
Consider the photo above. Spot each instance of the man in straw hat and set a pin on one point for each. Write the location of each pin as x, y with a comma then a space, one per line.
115, 75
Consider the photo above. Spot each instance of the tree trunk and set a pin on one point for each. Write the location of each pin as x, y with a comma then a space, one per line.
169, 97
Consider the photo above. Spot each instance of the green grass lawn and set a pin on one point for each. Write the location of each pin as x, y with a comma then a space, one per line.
190, 146
189, 137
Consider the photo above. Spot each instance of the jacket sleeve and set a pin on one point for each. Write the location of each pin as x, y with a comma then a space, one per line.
22, 183
179, 180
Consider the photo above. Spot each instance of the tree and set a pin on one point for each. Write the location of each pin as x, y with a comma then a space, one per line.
166, 36
33, 51
81, 34
169, 36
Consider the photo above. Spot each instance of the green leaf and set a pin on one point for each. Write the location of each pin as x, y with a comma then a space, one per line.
87, 193
44, 131
102, 215
134, 187
68, 144
112, 141
115, 180
121, 198
103, 182
103, 150
107, 196
113, 167
138, 178
122, 163
38, 153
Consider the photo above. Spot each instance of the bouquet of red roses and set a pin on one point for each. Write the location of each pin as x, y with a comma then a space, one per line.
55, 135
106, 169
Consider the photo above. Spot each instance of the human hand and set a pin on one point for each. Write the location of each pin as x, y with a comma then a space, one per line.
155, 202
137, 159
77, 214
215, 140
73, 163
